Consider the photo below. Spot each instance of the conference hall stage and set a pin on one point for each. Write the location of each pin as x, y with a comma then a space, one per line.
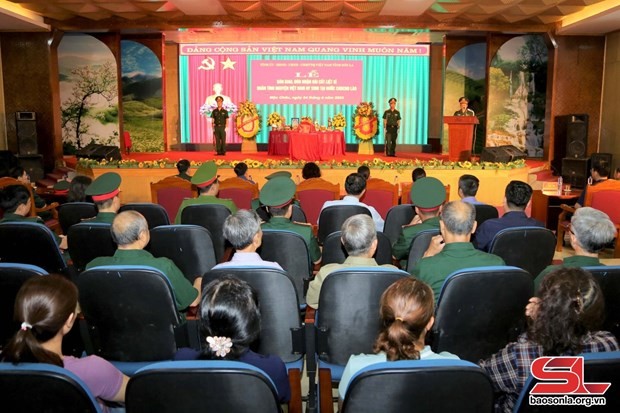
136, 179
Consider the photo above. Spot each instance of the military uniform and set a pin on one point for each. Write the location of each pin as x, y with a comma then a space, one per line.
105, 187
392, 117
220, 117
205, 176
454, 256
576, 261
184, 292
401, 248
10, 217
102, 217
468, 112
184, 175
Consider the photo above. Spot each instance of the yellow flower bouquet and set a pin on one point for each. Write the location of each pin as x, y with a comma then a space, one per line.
274, 119
339, 121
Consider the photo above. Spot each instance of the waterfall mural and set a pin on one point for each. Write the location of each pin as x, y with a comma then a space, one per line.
517, 94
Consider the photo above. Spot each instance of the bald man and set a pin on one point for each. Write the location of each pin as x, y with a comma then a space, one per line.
131, 233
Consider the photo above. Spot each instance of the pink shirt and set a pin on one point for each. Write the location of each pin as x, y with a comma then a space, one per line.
100, 376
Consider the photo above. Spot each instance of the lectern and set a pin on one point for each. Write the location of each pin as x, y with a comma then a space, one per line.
460, 135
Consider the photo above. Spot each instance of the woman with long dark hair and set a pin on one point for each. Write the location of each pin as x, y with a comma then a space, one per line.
565, 319
407, 314
46, 306
77, 189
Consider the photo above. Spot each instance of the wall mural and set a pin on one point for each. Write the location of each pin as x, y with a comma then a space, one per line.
142, 97
517, 94
466, 76
88, 92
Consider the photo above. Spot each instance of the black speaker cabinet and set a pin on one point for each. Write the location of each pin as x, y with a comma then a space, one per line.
570, 139
26, 127
576, 171
506, 153
33, 164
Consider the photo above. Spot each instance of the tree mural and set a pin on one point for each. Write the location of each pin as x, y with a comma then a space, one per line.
90, 84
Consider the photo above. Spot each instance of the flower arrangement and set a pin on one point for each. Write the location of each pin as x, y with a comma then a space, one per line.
306, 119
274, 119
339, 121
248, 120
376, 163
208, 108
365, 121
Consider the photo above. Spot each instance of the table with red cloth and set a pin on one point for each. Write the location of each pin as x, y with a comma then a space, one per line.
313, 146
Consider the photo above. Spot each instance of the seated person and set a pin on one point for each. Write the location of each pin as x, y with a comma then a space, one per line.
407, 313
278, 196
242, 230
452, 251
468, 188
230, 323
206, 180
77, 189
516, 199
131, 234
183, 167
105, 191
359, 237
355, 186
364, 171
310, 171
417, 173
565, 322
47, 309
241, 170
16, 203
428, 195
591, 230
22, 176
617, 174
600, 176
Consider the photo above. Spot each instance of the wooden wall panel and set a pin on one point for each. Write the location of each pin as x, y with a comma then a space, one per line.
610, 121
171, 94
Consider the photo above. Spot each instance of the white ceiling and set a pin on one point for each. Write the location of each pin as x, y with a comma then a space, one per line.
14, 18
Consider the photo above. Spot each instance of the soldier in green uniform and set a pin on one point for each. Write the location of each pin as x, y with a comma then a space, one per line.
131, 233
391, 124
16, 203
220, 119
428, 194
105, 192
278, 195
208, 185
464, 110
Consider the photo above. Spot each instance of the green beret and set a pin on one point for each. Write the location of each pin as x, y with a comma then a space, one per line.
428, 193
285, 174
205, 175
61, 186
278, 192
104, 187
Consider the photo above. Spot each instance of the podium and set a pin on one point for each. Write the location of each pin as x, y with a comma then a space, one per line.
460, 136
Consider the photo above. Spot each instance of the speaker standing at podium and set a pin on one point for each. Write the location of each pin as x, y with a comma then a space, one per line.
464, 110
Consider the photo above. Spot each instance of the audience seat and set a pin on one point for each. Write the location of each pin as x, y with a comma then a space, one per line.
211, 217
73, 213
313, 193
88, 241
419, 245
530, 248
334, 252
170, 193
609, 280
154, 214
332, 218
239, 190
380, 194
397, 216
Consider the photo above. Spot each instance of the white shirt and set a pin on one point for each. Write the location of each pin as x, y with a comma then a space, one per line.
247, 259
352, 200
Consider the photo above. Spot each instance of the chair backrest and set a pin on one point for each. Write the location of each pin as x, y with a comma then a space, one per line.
40, 387
278, 305
130, 312
8, 181
419, 245
290, 251
12, 277
239, 190
201, 386
530, 248
88, 241
31, 243
420, 386
170, 193
380, 194
603, 367
484, 212
154, 214
609, 280
480, 310
332, 218
334, 252
405, 197
397, 216
313, 193
299, 215
211, 217
605, 199
348, 318
73, 213
189, 246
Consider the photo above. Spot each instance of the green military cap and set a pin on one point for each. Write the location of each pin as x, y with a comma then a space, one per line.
62, 187
205, 175
428, 193
278, 192
104, 187
285, 174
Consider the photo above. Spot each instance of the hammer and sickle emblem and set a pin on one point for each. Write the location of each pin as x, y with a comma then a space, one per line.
207, 64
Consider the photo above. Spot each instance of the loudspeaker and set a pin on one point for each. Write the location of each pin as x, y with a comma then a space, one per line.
99, 152
33, 164
506, 153
576, 171
570, 139
26, 127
